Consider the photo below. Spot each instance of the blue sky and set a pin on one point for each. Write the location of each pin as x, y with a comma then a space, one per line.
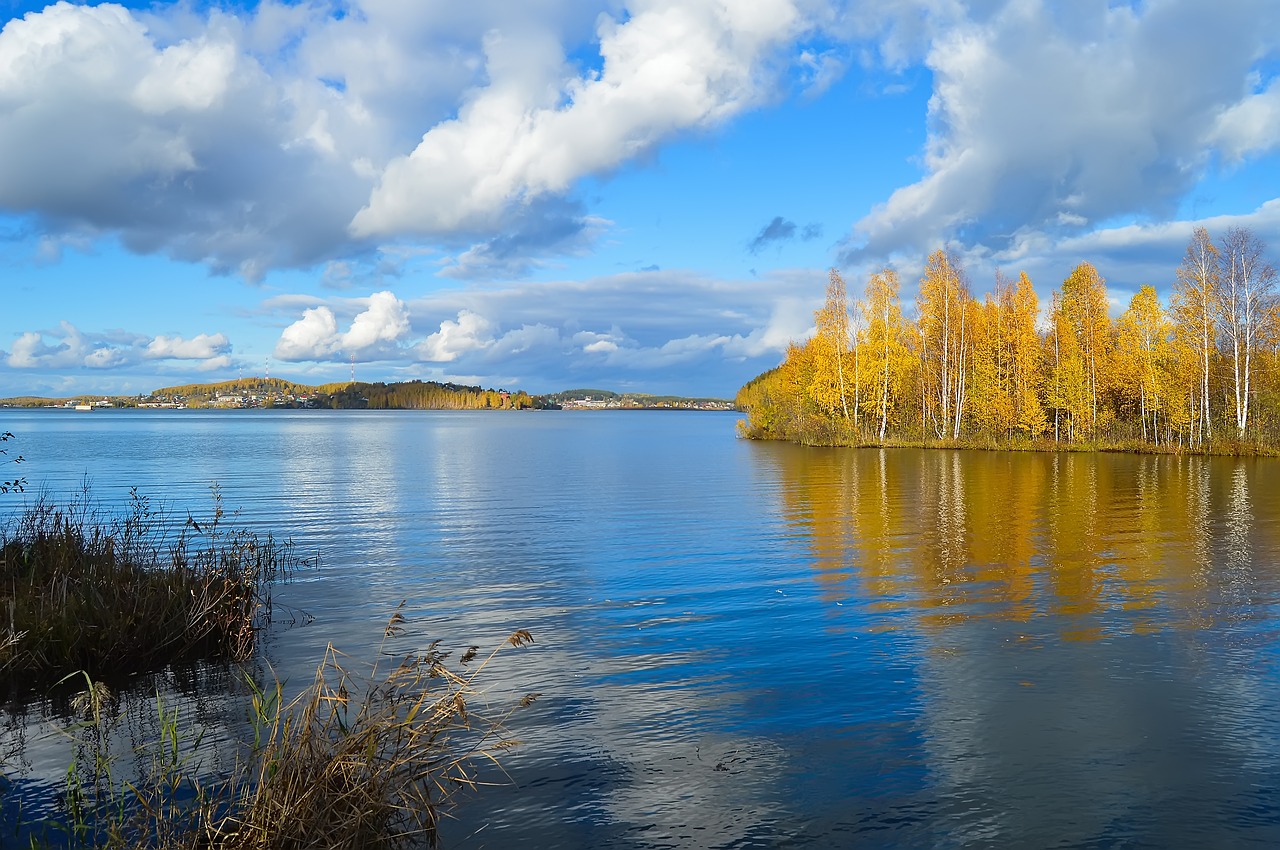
562, 193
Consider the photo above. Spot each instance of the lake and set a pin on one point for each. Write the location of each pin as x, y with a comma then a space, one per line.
764, 645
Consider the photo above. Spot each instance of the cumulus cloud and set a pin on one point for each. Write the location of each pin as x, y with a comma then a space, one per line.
375, 332
640, 329
470, 332
1058, 118
273, 137
1251, 126
67, 347
182, 148
654, 331
199, 347
534, 131
312, 337
215, 364
256, 139
385, 321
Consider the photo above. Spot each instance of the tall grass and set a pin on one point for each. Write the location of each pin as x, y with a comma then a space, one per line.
365, 759
128, 593
370, 755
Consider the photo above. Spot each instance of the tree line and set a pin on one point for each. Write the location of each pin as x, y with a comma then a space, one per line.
1198, 374
423, 395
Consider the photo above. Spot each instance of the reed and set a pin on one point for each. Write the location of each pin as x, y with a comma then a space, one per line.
114, 595
365, 759
369, 755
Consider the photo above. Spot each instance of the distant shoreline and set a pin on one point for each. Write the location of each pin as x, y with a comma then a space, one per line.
277, 393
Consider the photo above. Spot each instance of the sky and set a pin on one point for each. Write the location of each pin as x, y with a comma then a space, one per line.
550, 194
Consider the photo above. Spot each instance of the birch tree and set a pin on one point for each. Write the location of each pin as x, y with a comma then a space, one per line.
1195, 299
886, 351
1245, 295
831, 346
942, 316
1144, 348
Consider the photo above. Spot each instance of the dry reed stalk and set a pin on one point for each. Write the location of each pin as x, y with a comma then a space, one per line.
366, 759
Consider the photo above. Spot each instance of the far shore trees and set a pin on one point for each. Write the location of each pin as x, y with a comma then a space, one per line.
1198, 375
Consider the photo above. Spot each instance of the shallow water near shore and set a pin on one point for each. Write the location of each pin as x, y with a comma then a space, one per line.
758, 645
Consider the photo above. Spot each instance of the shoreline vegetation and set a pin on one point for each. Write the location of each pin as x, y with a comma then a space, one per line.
277, 393
111, 596
368, 755
1200, 376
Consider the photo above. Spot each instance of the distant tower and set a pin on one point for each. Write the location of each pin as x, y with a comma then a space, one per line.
266, 368
353, 368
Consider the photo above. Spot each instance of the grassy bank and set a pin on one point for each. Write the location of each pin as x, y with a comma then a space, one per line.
112, 596
832, 434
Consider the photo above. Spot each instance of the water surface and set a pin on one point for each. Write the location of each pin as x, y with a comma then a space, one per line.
760, 645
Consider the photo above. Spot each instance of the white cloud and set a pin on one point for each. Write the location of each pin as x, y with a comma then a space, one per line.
791, 319
105, 358
192, 76
375, 332
470, 332
1251, 126
199, 347
523, 340
290, 134
181, 148
649, 331
215, 364
385, 321
532, 131
1058, 117
67, 347
294, 135
31, 351
312, 337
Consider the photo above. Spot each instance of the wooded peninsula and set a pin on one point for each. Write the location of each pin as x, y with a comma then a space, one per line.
1200, 375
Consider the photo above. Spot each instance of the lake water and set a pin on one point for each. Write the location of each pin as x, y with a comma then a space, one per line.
762, 645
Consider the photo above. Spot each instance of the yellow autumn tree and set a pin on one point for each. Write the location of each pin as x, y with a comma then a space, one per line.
1143, 357
942, 316
991, 404
765, 402
885, 353
1068, 385
1026, 354
1083, 305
